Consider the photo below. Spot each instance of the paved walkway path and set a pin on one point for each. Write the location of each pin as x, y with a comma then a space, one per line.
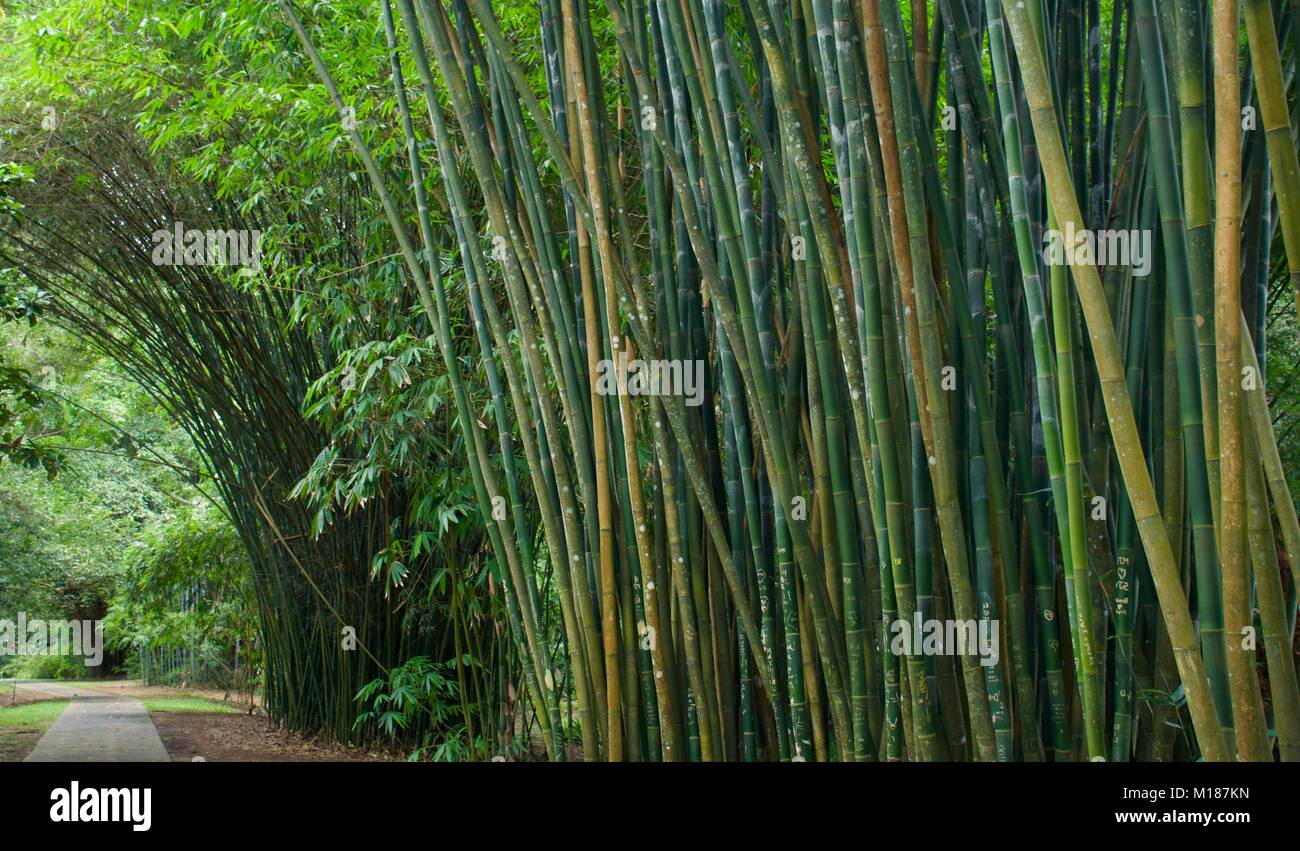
97, 727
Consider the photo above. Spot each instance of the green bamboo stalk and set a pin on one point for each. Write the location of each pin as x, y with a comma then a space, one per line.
1077, 572
1284, 162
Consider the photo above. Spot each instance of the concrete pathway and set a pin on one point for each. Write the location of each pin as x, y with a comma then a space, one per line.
97, 727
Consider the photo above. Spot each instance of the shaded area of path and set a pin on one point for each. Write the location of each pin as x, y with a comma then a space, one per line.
97, 727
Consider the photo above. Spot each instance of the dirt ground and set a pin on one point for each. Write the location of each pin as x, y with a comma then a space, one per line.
217, 737
10, 696
15, 745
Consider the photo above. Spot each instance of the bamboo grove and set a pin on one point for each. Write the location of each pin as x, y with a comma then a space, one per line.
911, 411
235, 364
